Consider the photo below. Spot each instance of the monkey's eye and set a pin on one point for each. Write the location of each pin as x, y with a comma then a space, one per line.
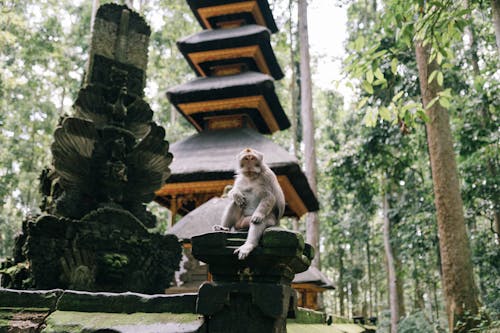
252, 158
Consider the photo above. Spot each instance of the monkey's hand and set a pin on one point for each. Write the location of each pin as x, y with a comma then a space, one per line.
244, 250
238, 198
218, 227
257, 218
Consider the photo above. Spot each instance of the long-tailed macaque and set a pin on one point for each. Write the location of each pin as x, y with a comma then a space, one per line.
257, 201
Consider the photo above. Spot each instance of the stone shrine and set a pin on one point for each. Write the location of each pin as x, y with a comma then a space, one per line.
108, 159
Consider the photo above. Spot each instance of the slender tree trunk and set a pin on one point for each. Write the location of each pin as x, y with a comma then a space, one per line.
340, 283
495, 10
436, 301
312, 221
418, 303
295, 224
469, 30
293, 82
391, 269
95, 6
458, 280
369, 269
173, 115
399, 285
61, 106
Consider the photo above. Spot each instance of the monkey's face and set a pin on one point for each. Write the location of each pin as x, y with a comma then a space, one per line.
250, 163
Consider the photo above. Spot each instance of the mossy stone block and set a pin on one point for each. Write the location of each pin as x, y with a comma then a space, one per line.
276, 237
69, 322
126, 302
29, 298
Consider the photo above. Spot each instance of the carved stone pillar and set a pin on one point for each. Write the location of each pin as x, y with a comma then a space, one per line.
252, 295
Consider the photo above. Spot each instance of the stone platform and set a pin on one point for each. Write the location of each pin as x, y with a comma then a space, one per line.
76, 311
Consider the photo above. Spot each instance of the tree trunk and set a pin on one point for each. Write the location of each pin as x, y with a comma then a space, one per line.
418, 303
340, 282
312, 221
95, 6
495, 11
469, 30
399, 285
458, 279
293, 84
370, 282
436, 301
173, 115
391, 269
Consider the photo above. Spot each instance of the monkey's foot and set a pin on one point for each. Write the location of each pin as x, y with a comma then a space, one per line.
244, 250
219, 228
257, 218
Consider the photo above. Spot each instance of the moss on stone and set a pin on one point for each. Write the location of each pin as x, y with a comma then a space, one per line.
69, 321
307, 316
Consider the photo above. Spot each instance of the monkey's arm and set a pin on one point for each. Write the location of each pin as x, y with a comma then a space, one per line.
264, 208
237, 197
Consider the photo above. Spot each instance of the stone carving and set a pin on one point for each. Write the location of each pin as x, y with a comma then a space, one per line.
108, 159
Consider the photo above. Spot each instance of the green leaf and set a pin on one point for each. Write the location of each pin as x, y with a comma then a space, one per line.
445, 102
409, 106
370, 118
440, 78
432, 76
432, 57
384, 113
378, 74
379, 54
422, 115
379, 82
432, 102
397, 96
362, 103
439, 58
359, 43
367, 87
369, 76
445, 93
394, 66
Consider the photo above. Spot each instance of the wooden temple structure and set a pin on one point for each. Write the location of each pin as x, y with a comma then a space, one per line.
233, 105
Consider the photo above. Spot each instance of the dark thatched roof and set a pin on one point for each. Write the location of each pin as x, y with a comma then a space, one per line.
232, 86
247, 35
211, 155
314, 276
263, 6
201, 220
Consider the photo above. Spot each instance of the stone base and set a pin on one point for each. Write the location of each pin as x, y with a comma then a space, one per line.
251, 295
246, 307
58, 311
107, 250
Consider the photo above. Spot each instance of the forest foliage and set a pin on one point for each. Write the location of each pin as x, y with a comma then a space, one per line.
371, 147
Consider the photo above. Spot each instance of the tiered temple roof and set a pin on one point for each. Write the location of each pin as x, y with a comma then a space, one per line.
213, 14
234, 101
229, 51
205, 163
232, 104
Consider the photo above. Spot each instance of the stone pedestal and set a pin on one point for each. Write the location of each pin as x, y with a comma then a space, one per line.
251, 295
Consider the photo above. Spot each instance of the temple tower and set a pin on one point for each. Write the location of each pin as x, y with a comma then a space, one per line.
232, 104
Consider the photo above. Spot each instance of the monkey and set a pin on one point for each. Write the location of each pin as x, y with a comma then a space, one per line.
257, 200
